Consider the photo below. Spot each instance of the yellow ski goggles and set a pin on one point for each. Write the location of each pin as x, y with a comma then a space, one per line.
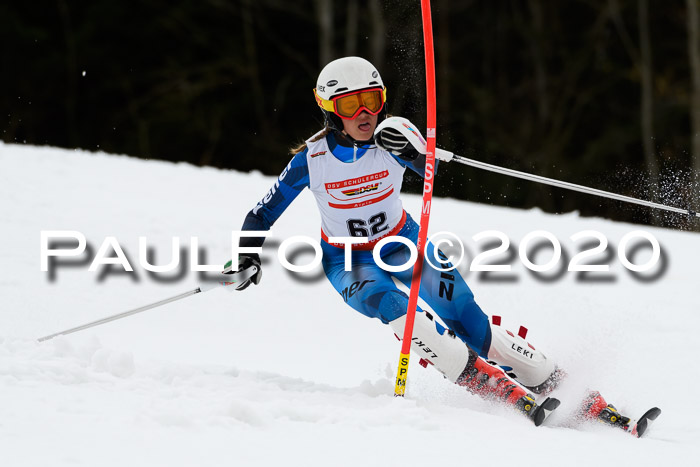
349, 106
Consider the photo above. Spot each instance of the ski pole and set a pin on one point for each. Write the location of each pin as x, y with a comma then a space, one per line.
446, 155
236, 278
399, 129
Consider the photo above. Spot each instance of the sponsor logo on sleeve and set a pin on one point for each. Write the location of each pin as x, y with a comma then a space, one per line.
273, 190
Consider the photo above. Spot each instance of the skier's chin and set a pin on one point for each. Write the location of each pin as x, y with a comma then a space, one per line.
363, 132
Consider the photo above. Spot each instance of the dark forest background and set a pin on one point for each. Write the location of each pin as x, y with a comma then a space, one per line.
602, 93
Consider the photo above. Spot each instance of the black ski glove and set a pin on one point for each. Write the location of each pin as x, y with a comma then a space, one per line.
246, 260
393, 141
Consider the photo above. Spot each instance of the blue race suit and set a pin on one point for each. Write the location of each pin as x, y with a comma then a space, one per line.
368, 288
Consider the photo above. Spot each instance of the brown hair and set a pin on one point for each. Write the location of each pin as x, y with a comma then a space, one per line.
300, 147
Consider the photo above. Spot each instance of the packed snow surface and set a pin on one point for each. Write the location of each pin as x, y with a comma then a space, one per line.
285, 373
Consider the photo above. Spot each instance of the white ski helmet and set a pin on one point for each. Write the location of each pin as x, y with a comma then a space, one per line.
345, 76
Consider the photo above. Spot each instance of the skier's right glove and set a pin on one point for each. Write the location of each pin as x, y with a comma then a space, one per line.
393, 141
245, 261
401, 138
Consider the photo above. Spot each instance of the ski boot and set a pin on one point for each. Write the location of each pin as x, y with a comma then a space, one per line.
595, 407
491, 382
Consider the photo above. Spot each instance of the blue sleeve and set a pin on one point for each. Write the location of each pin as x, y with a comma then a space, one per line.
293, 179
417, 165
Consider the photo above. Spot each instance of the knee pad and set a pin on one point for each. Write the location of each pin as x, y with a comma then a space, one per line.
434, 343
530, 367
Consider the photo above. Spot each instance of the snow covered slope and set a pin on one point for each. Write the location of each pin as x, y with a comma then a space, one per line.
286, 373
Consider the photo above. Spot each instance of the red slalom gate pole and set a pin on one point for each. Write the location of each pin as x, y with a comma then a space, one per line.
402, 374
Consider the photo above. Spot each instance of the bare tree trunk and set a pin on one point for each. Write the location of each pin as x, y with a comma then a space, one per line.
324, 10
378, 42
351, 28
647, 111
71, 73
694, 58
252, 69
538, 60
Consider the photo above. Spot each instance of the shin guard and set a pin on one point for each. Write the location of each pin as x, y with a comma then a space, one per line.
435, 344
523, 362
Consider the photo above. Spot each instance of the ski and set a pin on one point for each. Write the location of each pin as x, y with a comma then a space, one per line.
640, 427
542, 411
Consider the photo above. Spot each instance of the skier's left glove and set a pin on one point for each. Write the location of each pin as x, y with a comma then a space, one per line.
393, 141
245, 261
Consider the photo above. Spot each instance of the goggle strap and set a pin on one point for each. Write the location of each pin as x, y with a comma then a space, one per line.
323, 103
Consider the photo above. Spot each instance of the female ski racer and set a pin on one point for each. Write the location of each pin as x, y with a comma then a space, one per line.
356, 182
